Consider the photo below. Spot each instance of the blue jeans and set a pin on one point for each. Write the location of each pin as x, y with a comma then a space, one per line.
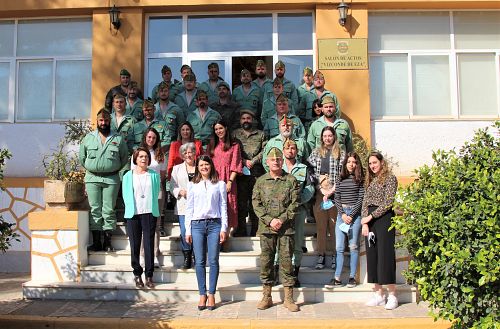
353, 236
184, 245
206, 236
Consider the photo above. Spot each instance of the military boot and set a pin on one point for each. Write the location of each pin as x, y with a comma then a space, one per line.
276, 275
96, 242
106, 246
267, 300
288, 302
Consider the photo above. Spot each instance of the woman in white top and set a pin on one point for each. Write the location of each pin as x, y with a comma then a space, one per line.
206, 225
151, 141
181, 175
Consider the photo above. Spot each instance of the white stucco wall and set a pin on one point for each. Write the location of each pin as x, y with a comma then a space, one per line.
410, 143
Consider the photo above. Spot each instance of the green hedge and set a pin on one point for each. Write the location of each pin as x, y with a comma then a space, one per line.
450, 227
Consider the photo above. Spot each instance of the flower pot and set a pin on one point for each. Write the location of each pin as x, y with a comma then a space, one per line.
61, 194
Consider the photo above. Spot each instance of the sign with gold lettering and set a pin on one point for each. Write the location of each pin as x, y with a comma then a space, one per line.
343, 54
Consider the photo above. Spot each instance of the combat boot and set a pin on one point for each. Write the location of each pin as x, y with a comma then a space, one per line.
106, 246
96, 242
267, 300
288, 302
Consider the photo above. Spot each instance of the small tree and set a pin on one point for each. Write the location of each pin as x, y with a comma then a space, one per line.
7, 234
450, 226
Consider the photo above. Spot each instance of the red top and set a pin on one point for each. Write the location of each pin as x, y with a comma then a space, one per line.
174, 157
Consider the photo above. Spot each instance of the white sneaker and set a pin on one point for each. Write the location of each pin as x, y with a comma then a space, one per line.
157, 262
376, 300
392, 302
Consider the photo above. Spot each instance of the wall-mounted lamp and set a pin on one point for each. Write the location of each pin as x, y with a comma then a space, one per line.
343, 8
114, 17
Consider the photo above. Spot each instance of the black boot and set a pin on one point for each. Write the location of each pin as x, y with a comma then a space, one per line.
296, 274
187, 260
162, 226
96, 241
276, 275
106, 246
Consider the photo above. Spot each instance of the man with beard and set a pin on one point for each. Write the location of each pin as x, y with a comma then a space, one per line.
342, 128
149, 121
134, 103
247, 95
252, 143
225, 106
269, 106
211, 85
271, 125
262, 81
102, 154
121, 89
166, 74
286, 132
203, 119
289, 89
186, 99
122, 123
168, 111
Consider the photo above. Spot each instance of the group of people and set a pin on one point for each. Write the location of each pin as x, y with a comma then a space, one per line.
267, 153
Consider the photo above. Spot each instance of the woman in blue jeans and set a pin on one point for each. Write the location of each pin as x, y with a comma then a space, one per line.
206, 226
348, 200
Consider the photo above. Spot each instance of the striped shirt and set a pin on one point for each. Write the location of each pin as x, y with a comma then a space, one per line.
348, 192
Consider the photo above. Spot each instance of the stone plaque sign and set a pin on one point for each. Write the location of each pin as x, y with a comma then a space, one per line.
343, 54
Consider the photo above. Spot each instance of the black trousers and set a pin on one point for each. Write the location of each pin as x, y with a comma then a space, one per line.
245, 189
381, 256
139, 225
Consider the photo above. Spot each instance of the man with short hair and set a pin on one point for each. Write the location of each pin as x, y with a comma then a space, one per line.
166, 74
134, 103
211, 85
252, 143
185, 70
123, 123
269, 106
121, 89
149, 121
102, 153
203, 119
275, 201
186, 99
289, 88
225, 106
247, 95
168, 111
302, 91
271, 125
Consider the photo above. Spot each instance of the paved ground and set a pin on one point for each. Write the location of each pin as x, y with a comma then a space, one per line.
49, 313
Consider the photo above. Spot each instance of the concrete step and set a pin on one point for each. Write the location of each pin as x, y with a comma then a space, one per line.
227, 275
176, 292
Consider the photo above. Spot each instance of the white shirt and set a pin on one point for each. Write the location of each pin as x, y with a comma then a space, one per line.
142, 193
206, 200
154, 164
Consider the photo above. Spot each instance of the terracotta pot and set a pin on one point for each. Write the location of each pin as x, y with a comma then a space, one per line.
60, 194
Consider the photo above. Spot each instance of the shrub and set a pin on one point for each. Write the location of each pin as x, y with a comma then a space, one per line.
7, 235
450, 228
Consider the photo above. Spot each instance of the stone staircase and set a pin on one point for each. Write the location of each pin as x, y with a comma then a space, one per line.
108, 275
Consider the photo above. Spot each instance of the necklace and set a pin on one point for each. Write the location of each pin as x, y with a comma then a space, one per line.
141, 189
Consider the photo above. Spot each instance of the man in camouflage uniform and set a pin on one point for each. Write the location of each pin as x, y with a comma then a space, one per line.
134, 103
275, 201
149, 121
252, 143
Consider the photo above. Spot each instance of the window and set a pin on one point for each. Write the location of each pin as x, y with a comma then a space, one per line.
431, 65
45, 69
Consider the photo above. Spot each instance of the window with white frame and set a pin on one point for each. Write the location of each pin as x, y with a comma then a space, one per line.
434, 64
194, 39
45, 69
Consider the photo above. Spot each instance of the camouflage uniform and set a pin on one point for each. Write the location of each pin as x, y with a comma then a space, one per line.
276, 198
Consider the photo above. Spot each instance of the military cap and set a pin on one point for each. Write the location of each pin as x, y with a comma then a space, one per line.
260, 63
245, 71
148, 102
281, 98
275, 152
190, 77
307, 70
201, 93
287, 120
327, 100
247, 111
213, 65
318, 74
103, 113
277, 81
165, 68
124, 72
223, 84
289, 142
279, 64
163, 85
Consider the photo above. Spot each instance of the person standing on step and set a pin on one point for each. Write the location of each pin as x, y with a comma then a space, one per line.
141, 188
348, 200
275, 200
102, 153
182, 174
206, 226
381, 187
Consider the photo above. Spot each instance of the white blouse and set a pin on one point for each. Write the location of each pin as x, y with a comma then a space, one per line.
204, 201
142, 193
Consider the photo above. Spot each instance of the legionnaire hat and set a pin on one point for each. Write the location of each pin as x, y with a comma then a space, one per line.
223, 84
286, 120
190, 77
125, 72
288, 143
247, 111
279, 64
103, 113
275, 152
213, 65
165, 68
260, 63
327, 100
318, 74
282, 99
185, 66
307, 71
148, 102
277, 81
245, 71
200, 94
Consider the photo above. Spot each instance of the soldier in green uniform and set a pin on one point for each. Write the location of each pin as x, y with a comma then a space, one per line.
275, 200
269, 106
211, 85
247, 94
271, 125
342, 128
122, 123
225, 106
286, 132
289, 88
149, 121
168, 111
102, 154
166, 74
262, 81
203, 119
186, 99
121, 89
134, 103
302, 91
252, 143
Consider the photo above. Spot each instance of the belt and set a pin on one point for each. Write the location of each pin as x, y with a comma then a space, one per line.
104, 174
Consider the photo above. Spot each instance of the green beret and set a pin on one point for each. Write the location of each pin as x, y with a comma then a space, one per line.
223, 84
279, 64
307, 70
124, 72
327, 100
275, 152
260, 63
190, 77
165, 68
281, 99
247, 111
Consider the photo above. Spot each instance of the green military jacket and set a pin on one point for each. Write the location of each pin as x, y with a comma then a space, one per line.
125, 129
278, 141
203, 129
276, 198
213, 94
342, 130
173, 117
269, 108
181, 101
302, 90
271, 126
135, 110
305, 106
160, 126
252, 146
174, 91
102, 162
250, 101
289, 90
306, 188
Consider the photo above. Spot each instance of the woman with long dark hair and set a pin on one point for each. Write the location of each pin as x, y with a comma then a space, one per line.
185, 135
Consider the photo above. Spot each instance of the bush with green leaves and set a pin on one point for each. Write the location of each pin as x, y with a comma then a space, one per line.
7, 234
450, 227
